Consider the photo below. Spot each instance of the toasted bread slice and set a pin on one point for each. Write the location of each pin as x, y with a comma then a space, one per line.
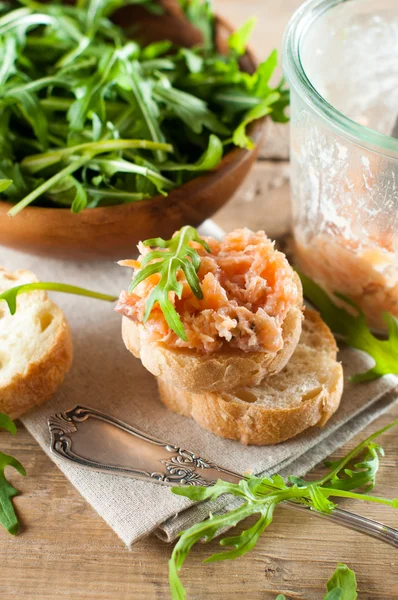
35, 347
305, 393
219, 371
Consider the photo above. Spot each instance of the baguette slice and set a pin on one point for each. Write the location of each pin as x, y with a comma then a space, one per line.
35, 347
307, 392
219, 371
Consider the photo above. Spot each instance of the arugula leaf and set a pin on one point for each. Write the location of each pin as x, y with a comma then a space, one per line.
145, 102
353, 330
345, 473
12, 172
278, 114
90, 96
240, 137
47, 185
200, 14
237, 41
236, 99
193, 111
209, 159
9, 56
264, 74
10, 295
112, 166
64, 192
194, 60
4, 184
80, 200
334, 594
260, 496
174, 255
156, 49
8, 517
7, 424
342, 585
32, 112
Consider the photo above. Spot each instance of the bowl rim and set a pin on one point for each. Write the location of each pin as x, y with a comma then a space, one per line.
255, 129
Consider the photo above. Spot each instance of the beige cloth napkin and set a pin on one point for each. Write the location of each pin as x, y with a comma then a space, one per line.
107, 377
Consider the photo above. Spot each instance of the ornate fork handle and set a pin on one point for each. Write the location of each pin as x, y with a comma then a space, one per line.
100, 442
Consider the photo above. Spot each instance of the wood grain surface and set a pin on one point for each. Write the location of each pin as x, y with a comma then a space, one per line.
66, 551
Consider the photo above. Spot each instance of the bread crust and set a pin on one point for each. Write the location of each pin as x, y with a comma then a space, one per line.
251, 423
219, 371
42, 377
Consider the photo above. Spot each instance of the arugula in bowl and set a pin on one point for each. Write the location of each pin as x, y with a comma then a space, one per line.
89, 117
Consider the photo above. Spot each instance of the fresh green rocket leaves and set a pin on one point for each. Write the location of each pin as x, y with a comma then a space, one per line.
238, 40
349, 472
200, 14
74, 90
191, 110
240, 137
8, 517
353, 330
10, 295
4, 184
209, 159
341, 586
170, 257
7, 424
261, 495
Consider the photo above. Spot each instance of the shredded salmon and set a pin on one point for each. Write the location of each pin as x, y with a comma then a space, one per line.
367, 275
248, 288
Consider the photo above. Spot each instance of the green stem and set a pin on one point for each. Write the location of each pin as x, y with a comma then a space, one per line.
26, 21
33, 41
63, 104
34, 86
35, 162
74, 166
119, 194
10, 295
125, 167
333, 492
14, 15
10, 57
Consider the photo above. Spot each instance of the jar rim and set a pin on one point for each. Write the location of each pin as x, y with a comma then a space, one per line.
295, 73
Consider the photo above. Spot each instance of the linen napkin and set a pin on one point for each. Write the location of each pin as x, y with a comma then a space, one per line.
106, 376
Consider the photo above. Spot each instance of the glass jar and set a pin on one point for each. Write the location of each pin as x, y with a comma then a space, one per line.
341, 61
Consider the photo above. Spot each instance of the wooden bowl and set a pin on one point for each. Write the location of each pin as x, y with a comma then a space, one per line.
112, 232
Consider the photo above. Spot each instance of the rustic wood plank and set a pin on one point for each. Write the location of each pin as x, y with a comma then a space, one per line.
262, 202
66, 550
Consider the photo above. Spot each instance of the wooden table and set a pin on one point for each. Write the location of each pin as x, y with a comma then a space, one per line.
66, 551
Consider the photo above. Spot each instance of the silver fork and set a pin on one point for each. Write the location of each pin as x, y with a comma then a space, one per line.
100, 442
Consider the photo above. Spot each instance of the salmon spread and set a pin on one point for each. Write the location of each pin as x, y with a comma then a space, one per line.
368, 275
248, 288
